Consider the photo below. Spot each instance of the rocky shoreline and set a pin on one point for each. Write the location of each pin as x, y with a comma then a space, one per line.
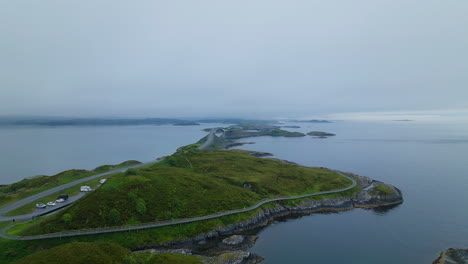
452, 256
373, 194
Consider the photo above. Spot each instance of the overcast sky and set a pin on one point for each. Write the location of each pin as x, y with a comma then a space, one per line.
256, 59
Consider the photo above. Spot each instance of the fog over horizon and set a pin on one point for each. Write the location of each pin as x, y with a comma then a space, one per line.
244, 59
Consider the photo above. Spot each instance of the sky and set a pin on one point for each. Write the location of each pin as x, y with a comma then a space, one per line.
250, 59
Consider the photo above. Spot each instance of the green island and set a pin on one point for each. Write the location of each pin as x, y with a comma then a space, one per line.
189, 184
320, 134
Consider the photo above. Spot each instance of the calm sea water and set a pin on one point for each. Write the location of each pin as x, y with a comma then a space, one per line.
428, 162
30, 151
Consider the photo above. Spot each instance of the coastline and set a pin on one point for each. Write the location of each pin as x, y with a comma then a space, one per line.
364, 199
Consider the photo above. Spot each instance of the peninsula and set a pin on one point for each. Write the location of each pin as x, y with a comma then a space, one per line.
191, 198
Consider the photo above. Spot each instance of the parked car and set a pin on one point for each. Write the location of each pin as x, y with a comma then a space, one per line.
63, 196
59, 200
51, 203
85, 188
101, 181
40, 206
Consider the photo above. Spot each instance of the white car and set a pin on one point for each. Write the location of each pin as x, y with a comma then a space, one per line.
51, 203
60, 200
40, 205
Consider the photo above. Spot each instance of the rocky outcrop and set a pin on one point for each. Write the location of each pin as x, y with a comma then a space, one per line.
452, 256
233, 240
182, 251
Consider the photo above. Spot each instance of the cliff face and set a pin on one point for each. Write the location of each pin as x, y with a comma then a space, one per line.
373, 194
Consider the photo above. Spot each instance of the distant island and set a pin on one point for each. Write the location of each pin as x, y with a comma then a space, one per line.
247, 130
320, 134
54, 121
312, 121
188, 123
403, 120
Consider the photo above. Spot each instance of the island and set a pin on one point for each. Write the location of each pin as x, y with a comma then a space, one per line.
187, 123
312, 121
194, 206
320, 134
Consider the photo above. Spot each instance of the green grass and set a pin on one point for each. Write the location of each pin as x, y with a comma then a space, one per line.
79, 252
188, 185
165, 258
27, 187
72, 191
15, 249
383, 189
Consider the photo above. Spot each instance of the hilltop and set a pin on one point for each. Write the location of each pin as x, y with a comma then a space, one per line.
188, 184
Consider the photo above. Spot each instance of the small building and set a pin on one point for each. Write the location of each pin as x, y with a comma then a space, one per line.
85, 189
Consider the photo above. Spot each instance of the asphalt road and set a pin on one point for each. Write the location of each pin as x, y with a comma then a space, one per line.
209, 140
6, 208
173, 222
39, 212
9, 207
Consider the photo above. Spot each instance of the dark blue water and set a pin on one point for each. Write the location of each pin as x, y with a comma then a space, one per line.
428, 162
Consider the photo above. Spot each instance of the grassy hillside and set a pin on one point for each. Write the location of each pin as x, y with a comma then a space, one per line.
30, 186
189, 183
79, 252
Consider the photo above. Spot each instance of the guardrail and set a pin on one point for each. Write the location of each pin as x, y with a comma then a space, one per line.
171, 222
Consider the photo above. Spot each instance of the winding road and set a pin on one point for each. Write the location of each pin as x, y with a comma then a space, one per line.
11, 206
209, 140
172, 222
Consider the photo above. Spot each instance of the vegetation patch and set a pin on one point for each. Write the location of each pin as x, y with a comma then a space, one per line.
79, 252
189, 184
71, 191
320, 134
34, 185
383, 189
165, 258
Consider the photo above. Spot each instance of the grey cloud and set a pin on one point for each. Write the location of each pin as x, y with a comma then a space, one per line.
233, 58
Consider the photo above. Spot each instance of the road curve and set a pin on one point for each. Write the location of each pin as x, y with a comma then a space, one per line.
173, 222
9, 207
209, 140
6, 208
